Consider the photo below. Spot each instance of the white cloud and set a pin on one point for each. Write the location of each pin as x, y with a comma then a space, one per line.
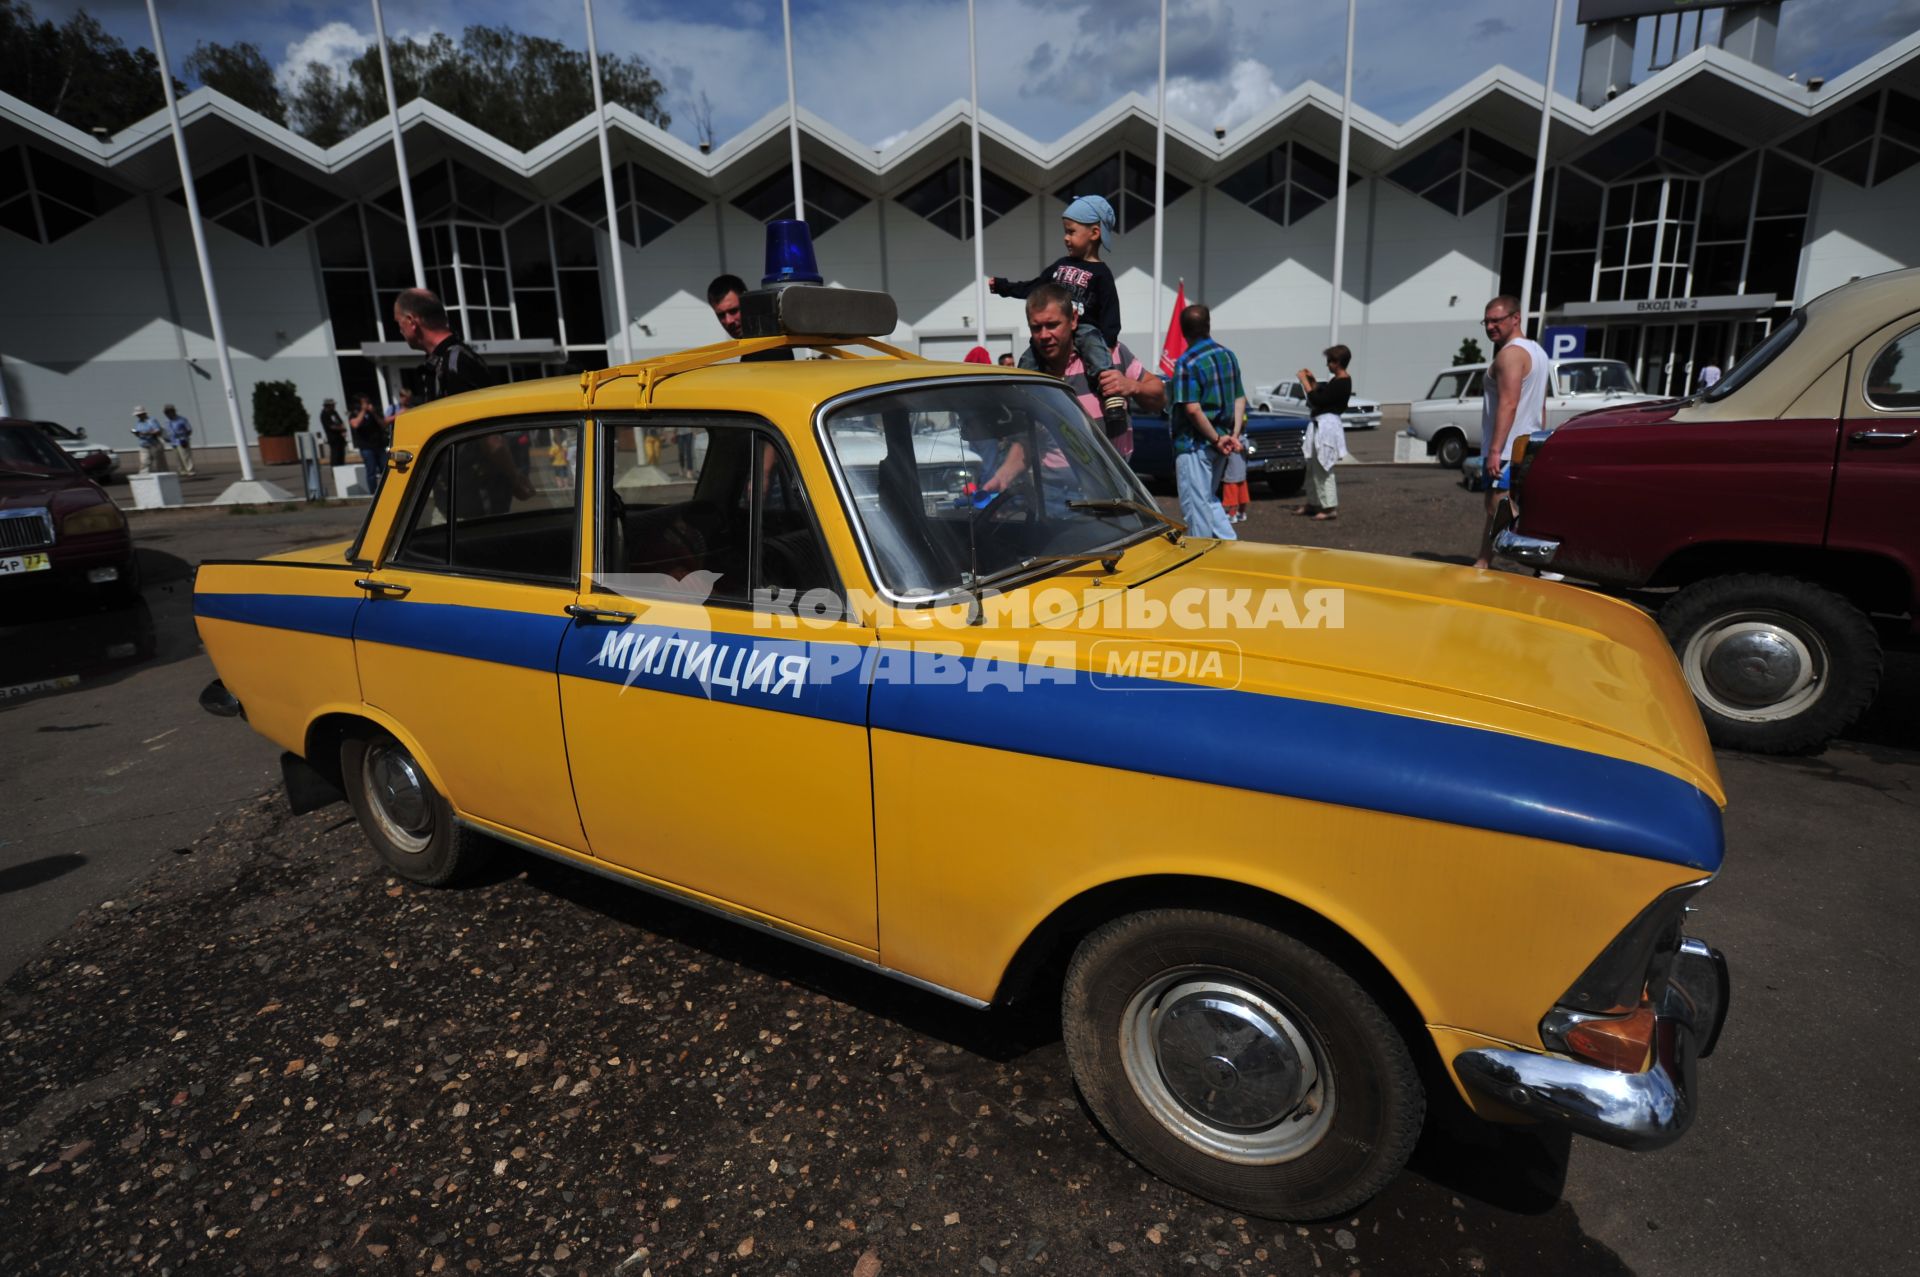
1248, 90
334, 46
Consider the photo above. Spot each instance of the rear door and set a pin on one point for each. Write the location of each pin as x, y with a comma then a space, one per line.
459, 640
1876, 491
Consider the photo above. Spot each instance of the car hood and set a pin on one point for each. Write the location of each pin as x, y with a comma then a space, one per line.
58, 492
1633, 412
1482, 650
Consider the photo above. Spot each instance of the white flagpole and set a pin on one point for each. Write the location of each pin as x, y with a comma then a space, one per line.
793, 112
1159, 184
400, 152
1340, 193
606, 181
1540, 171
200, 247
979, 219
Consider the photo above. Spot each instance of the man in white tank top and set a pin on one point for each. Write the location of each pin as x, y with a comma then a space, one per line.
1513, 407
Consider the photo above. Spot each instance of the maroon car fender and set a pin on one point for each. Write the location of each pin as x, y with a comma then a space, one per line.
1623, 490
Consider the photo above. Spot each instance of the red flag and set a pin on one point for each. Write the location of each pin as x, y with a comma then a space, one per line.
1176, 344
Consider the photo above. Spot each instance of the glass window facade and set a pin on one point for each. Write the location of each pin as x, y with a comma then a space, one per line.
829, 201
44, 198
1287, 183
945, 198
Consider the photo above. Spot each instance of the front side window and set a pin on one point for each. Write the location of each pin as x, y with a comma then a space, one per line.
498, 502
1893, 376
710, 512
956, 485
1447, 385
1762, 355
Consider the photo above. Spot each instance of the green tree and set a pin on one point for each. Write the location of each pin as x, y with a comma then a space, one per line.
1469, 353
76, 72
520, 88
319, 110
240, 72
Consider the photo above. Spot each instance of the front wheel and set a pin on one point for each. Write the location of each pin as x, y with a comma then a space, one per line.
403, 815
1450, 450
1239, 1063
1777, 665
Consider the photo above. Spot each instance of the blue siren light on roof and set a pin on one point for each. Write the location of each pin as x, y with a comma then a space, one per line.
790, 257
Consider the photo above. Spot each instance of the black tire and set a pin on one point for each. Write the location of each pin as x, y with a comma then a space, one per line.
1286, 483
1450, 449
1150, 996
1776, 665
403, 815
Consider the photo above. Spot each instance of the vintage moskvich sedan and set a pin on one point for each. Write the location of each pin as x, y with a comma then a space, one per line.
1295, 835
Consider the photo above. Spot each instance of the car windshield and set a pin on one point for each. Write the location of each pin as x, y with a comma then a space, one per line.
976, 479
1598, 376
27, 451
54, 430
1759, 357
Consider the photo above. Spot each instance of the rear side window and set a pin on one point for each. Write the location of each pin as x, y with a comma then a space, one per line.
499, 502
1893, 377
1475, 384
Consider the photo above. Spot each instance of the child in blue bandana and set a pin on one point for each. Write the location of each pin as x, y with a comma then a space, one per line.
1084, 226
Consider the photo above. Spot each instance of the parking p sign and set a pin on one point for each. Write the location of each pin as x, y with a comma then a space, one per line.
1568, 342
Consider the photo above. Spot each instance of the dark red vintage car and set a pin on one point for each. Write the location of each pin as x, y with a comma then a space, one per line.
1782, 506
56, 525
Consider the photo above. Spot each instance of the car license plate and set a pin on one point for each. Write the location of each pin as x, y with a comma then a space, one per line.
24, 563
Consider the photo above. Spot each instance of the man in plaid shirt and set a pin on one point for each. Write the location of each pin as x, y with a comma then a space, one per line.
1209, 418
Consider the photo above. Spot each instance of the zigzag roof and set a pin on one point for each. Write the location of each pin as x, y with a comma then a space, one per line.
1746, 102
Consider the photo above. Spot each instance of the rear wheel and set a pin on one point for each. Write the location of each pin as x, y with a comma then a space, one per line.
404, 817
1777, 665
1450, 449
1239, 1063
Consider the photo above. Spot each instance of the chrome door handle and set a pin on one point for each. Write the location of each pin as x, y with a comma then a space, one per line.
580, 612
1881, 438
384, 589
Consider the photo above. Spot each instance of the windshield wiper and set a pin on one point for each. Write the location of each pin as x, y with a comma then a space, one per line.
1122, 505
974, 583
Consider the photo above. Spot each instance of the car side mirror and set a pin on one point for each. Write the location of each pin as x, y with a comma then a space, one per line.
81, 431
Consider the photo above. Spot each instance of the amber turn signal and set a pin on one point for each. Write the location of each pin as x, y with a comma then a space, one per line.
1622, 1045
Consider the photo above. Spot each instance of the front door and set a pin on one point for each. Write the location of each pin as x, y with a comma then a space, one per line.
715, 712
1877, 484
459, 640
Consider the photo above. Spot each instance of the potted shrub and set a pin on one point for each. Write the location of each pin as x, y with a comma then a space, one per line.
278, 415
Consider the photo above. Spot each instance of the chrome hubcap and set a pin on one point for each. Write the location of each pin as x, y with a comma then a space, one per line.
398, 797
1756, 666
1226, 1068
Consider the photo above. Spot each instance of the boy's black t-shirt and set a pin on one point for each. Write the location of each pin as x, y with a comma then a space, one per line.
1091, 284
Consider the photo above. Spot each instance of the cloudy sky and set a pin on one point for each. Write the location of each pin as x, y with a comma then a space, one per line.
877, 68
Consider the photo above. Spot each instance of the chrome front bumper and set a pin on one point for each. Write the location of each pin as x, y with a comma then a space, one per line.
1532, 551
1633, 1110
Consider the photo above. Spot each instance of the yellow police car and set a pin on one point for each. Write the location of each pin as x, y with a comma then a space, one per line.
898, 660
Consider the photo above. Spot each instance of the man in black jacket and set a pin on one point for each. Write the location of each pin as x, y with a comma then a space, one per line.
452, 365
493, 476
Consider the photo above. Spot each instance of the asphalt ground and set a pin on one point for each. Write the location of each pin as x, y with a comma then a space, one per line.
233, 1044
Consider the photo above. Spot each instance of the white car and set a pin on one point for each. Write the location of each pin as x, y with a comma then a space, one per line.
1448, 419
96, 460
1361, 414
